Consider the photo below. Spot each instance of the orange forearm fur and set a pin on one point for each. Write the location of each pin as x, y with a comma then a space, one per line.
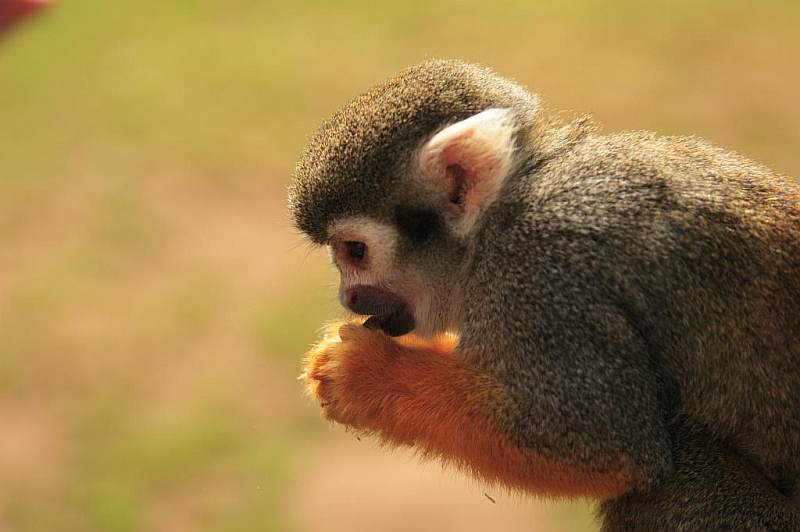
414, 392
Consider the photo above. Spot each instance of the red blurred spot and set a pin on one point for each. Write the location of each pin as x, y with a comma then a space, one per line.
12, 11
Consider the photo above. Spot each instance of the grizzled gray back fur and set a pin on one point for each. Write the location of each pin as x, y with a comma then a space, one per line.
680, 259
354, 160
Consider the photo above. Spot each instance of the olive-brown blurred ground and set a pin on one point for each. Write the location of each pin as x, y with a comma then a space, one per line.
154, 300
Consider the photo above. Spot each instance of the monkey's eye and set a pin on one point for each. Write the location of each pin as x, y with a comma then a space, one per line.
355, 250
416, 223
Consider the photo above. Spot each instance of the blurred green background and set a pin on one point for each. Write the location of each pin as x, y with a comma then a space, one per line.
154, 298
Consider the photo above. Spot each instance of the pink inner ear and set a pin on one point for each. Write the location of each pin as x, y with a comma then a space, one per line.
470, 169
458, 182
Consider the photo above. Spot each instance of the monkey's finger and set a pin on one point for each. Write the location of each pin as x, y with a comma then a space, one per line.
350, 331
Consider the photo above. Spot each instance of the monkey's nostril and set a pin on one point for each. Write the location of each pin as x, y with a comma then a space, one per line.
355, 249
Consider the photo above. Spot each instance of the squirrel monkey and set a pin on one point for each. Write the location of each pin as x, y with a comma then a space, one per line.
559, 311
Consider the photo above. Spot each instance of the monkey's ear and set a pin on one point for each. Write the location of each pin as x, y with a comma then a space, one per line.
469, 161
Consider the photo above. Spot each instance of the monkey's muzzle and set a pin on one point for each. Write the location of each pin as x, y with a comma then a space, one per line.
386, 310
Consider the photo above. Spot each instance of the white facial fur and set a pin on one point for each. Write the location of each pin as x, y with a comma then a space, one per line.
381, 240
379, 268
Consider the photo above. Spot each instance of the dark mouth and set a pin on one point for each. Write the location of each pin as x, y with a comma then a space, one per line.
387, 310
397, 323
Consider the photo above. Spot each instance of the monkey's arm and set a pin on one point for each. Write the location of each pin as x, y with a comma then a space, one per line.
418, 393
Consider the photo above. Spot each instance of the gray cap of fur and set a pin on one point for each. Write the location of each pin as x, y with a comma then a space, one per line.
355, 159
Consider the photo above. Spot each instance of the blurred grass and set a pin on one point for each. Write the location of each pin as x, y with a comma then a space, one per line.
154, 300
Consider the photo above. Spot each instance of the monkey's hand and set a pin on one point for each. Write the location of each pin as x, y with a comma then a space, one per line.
414, 392
359, 375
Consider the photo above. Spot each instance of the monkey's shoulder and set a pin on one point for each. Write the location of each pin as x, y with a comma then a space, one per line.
641, 184
640, 164
616, 208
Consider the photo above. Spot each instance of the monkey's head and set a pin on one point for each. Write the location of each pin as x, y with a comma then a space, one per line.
395, 184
